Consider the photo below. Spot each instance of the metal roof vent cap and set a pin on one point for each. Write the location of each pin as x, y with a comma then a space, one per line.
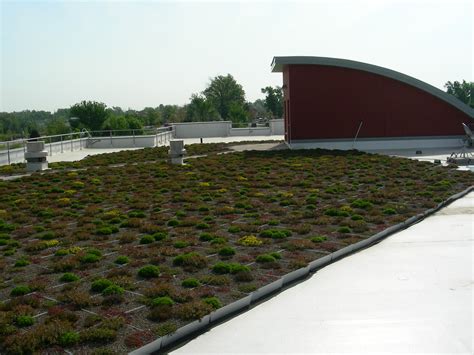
177, 151
36, 156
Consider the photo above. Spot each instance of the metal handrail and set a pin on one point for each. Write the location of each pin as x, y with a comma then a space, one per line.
70, 143
84, 131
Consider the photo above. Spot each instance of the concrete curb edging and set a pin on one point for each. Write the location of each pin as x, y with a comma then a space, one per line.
288, 280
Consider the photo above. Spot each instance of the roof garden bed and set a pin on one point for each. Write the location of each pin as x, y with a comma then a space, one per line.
114, 257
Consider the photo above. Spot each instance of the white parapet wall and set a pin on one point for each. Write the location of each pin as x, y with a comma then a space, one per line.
224, 129
17, 155
202, 129
277, 127
122, 142
375, 144
250, 131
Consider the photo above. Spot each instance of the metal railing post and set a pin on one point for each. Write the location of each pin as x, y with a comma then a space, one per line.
50, 147
8, 152
24, 149
72, 145
62, 151
133, 133
111, 144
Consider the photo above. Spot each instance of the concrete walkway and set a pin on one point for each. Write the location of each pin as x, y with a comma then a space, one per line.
81, 154
412, 293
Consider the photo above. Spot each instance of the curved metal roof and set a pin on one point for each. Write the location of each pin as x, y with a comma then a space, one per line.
278, 64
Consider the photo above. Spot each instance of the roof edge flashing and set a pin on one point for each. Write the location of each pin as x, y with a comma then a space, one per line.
278, 64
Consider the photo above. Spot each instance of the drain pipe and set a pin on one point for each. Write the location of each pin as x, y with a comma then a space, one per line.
357, 134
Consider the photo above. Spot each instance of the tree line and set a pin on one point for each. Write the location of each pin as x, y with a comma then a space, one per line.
222, 99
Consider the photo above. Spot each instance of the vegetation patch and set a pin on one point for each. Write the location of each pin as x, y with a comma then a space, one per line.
108, 258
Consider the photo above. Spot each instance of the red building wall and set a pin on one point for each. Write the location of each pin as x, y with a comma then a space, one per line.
324, 102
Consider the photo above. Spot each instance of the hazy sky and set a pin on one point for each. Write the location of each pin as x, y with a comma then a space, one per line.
135, 54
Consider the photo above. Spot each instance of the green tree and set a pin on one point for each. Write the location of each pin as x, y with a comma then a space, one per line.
274, 100
134, 122
127, 122
167, 112
463, 91
115, 123
57, 125
150, 116
200, 109
224, 92
89, 114
238, 113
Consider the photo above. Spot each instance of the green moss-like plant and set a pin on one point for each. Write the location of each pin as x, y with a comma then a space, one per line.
121, 260
226, 251
265, 258
359, 203
113, 290
318, 238
21, 262
389, 211
205, 237
69, 338
233, 229
24, 321
214, 302
203, 225
147, 239
179, 244
160, 236
107, 230
69, 277
100, 285
90, 258
190, 283
162, 301
149, 271
226, 268
275, 233
20, 291
173, 223
344, 229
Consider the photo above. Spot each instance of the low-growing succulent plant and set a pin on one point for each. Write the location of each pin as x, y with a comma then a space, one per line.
214, 302
250, 241
275, 233
149, 271
69, 338
147, 239
318, 238
190, 283
100, 284
265, 258
121, 260
24, 321
20, 290
162, 301
344, 229
226, 251
69, 277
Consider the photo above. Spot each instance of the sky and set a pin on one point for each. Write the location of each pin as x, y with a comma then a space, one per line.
137, 54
